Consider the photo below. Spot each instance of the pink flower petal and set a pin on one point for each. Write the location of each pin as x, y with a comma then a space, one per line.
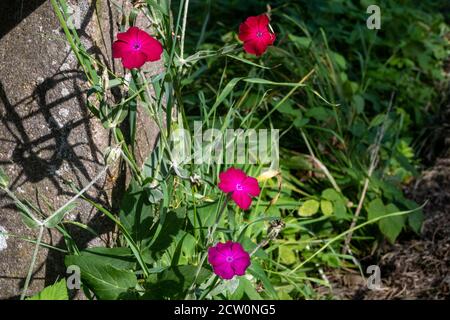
150, 46
130, 35
228, 259
230, 178
255, 34
240, 265
255, 47
252, 22
263, 21
268, 38
133, 60
251, 186
213, 256
225, 271
246, 33
242, 199
120, 49
238, 251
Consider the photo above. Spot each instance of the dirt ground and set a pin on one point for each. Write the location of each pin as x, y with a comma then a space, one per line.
417, 266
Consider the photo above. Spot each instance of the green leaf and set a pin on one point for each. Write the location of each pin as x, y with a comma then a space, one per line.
318, 113
327, 207
377, 120
107, 282
309, 208
359, 103
331, 194
4, 179
56, 217
249, 289
173, 282
376, 209
204, 216
57, 291
340, 60
166, 231
118, 257
300, 42
287, 255
272, 83
155, 194
340, 210
247, 61
392, 226
258, 272
27, 218
415, 220
136, 213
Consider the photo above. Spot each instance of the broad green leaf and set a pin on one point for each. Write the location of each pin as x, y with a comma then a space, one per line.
318, 113
327, 207
415, 220
287, 255
203, 216
250, 289
166, 231
309, 208
358, 102
377, 120
392, 226
258, 272
57, 291
340, 60
173, 282
239, 292
331, 194
118, 257
340, 210
154, 194
376, 209
106, 281
136, 213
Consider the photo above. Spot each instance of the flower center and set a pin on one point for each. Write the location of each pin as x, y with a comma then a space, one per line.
136, 46
239, 187
229, 259
259, 34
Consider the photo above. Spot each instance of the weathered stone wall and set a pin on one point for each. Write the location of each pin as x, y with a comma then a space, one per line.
48, 137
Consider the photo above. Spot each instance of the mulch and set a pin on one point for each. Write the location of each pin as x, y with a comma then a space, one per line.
417, 266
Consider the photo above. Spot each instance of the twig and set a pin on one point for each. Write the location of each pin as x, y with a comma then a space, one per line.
373, 163
183, 29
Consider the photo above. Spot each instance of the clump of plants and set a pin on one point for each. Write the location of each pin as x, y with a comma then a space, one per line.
192, 225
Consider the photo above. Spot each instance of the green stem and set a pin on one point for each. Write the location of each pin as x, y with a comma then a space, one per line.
33, 261
209, 241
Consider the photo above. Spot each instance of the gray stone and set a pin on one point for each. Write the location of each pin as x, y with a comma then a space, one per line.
48, 138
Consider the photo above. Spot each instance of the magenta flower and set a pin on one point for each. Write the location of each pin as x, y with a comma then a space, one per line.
136, 47
241, 187
228, 259
255, 34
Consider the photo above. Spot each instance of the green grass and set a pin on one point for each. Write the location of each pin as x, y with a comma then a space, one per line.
352, 106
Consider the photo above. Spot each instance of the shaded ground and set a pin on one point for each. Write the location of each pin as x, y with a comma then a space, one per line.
416, 267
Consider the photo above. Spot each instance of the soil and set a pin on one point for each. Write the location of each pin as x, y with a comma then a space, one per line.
417, 266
